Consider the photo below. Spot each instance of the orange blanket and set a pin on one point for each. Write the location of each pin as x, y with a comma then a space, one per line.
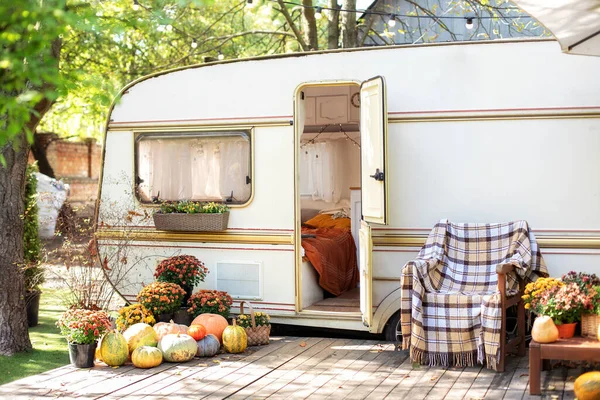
333, 254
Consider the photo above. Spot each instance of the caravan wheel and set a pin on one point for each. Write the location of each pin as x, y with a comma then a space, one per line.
392, 330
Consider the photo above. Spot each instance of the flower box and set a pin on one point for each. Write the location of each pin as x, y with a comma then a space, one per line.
200, 222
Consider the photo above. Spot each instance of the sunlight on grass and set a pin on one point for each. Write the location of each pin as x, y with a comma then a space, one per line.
49, 347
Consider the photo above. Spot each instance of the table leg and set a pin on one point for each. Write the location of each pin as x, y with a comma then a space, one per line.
535, 366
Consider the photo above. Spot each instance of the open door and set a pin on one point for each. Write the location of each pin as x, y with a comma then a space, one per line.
366, 268
373, 144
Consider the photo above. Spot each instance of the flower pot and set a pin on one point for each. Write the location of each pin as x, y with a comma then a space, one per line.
566, 331
202, 222
82, 355
188, 293
167, 317
32, 301
182, 317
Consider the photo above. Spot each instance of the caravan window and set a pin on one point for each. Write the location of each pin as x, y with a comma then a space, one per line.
202, 166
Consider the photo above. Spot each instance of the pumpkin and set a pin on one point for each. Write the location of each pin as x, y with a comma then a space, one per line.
235, 339
214, 324
114, 349
164, 328
197, 332
208, 347
587, 386
146, 357
98, 347
140, 334
544, 330
178, 347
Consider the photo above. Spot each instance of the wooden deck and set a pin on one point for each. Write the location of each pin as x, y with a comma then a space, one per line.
315, 368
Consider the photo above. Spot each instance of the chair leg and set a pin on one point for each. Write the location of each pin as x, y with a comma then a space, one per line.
521, 328
502, 352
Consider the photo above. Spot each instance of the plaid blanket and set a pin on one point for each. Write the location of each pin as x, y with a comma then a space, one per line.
451, 312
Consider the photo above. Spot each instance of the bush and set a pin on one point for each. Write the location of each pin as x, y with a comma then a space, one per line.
210, 301
161, 297
182, 270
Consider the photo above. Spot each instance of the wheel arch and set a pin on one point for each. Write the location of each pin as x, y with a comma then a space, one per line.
388, 306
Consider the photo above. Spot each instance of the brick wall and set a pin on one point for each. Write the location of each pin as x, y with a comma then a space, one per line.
75, 163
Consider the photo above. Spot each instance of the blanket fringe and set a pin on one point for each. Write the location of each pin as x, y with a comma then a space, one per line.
405, 342
492, 362
466, 359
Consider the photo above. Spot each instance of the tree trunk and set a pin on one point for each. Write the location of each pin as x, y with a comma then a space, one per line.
38, 149
310, 25
349, 31
333, 27
14, 336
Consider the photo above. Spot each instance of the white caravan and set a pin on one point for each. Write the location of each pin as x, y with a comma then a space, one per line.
390, 139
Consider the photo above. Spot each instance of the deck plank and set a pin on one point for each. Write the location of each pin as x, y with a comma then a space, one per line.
244, 378
198, 385
329, 358
291, 367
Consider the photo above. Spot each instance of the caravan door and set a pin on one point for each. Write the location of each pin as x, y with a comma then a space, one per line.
373, 146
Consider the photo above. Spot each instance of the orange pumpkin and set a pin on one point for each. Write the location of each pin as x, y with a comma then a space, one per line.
215, 324
164, 328
197, 331
587, 386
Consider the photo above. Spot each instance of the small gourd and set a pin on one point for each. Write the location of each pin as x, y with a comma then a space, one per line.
544, 330
208, 347
587, 386
114, 349
164, 328
197, 331
146, 357
177, 347
235, 339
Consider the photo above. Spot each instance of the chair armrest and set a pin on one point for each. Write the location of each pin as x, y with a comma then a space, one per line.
505, 268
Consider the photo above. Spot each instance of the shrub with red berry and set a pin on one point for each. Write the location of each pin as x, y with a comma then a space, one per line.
183, 270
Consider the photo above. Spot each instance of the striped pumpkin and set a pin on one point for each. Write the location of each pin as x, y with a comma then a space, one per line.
113, 349
235, 339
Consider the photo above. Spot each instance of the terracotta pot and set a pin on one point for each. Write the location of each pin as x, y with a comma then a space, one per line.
566, 331
82, 355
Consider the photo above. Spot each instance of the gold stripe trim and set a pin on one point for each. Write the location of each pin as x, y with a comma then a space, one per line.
386, 278
195, 125
221, 237
548, 242
444, 117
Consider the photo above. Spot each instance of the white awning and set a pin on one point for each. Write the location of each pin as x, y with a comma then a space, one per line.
574, 23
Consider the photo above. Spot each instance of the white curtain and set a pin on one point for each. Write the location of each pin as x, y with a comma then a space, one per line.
198, 168
322, 170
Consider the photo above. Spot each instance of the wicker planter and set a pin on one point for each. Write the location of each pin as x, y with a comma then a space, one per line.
589, 325
202, 222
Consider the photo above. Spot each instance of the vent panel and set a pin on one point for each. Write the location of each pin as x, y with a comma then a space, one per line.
242, 280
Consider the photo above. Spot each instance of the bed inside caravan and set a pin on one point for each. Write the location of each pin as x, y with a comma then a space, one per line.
329, 162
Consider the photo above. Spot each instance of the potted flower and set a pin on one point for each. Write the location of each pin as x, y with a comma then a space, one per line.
563, 302
133, 314
210, 301
83, 329
184, 270
161, 299
186, 215
588, 284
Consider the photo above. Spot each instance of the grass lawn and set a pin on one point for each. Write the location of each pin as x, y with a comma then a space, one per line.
49, 347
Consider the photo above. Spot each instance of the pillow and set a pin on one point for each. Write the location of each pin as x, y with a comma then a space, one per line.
327, 221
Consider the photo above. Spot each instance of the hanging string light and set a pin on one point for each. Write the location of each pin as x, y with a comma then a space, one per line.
318, 11
392, 20
220, 56
194, 43
469, 24
393, 17
136, 5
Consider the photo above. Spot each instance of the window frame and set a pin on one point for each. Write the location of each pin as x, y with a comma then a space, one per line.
247, 132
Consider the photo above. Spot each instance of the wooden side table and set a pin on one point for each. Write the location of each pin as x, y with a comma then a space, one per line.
574, 349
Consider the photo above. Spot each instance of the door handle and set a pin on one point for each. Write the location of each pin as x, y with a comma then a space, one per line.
378, 176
